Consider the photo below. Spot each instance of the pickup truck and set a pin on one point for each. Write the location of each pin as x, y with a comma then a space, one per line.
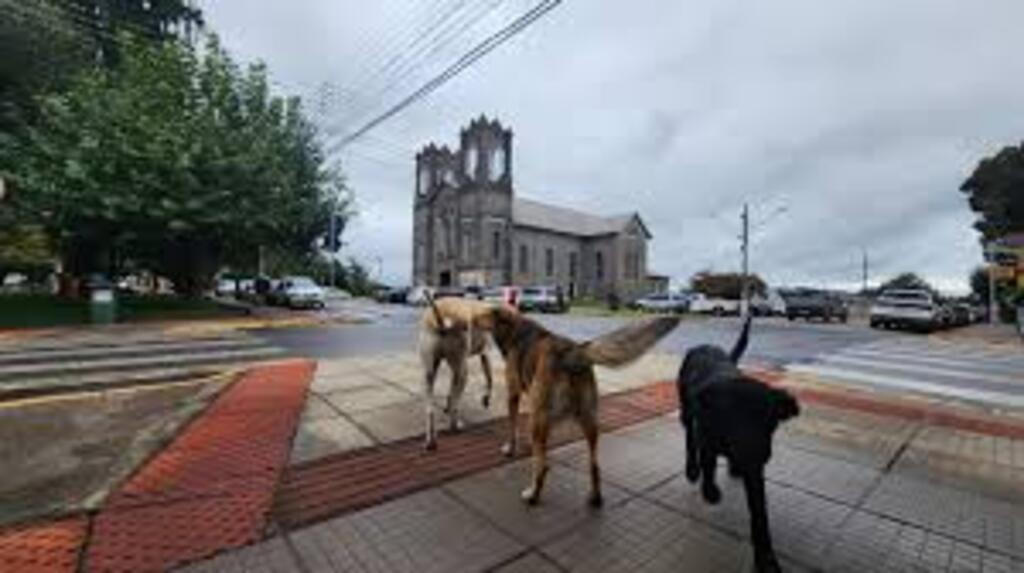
811, 303
914, 308
701, 303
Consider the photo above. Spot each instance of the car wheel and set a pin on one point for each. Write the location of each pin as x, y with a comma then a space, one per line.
717, 311
790, 317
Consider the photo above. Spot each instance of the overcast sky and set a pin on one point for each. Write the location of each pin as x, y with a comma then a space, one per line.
859, 118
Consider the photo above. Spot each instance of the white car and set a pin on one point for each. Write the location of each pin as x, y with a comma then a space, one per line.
717, 306
663, 302
418, 295
299, 292
900, 308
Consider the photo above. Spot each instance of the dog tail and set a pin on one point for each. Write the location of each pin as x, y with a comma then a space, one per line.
741, 343
622, 346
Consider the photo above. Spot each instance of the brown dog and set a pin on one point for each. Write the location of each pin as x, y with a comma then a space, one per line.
452, 330
557, 374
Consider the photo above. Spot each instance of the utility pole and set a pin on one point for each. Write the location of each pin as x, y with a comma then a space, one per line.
745, 291
989, 251
333, 238
864, 271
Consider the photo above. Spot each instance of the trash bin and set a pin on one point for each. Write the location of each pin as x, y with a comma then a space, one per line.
102, 303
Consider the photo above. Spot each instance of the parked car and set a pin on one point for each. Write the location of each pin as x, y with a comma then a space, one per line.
449, 292
902, 308
542, 299
702, 303
417, 295
225, 287
507, 295
962, 314
298, 292
391, 295
771, 304
663, 302
812, 303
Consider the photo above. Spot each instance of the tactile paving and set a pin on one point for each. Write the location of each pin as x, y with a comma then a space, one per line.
212, 488
43, 548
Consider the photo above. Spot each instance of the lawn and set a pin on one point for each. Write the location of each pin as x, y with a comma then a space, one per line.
39, 310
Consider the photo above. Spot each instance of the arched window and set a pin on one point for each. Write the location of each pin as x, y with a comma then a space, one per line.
549, 262
496, 245
599, 266
498, 164
524, 259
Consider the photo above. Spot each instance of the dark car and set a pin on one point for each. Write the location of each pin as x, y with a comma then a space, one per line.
811, 303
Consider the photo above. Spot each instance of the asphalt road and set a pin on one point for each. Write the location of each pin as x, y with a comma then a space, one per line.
774, 341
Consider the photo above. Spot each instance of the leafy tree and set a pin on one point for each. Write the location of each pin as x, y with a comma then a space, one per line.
996, 193
725, 285
178, 161
908, 281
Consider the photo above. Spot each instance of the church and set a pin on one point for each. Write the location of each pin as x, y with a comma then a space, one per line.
471, 229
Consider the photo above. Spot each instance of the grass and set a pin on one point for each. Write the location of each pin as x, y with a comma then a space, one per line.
43, 310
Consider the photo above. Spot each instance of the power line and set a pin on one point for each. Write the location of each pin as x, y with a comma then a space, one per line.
420, 49
468, 59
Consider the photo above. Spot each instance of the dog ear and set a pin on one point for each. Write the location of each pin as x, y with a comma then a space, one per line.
784, 405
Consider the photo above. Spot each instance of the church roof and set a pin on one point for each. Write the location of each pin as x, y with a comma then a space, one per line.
530, 213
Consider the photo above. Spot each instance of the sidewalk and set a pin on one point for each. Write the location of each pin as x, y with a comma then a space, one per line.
853, 487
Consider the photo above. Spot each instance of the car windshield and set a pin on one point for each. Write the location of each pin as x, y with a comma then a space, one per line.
533, 291
301, 282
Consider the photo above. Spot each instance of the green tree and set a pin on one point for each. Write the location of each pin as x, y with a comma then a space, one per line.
908, 281
995, 192
725, 285
178, 161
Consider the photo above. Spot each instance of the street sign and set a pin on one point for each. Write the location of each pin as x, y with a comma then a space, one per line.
1003, 273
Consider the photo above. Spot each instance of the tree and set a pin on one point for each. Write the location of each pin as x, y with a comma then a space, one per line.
996, 193
725, 285
908, 281
178, 161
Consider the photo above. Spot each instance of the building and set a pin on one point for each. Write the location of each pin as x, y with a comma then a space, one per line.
470, 227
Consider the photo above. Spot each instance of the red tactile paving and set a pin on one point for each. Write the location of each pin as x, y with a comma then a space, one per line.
345, 482
212, 488
43, 548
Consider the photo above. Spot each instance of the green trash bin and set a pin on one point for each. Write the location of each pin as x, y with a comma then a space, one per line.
102, 302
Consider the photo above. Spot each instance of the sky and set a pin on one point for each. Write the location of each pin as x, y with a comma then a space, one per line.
847, 126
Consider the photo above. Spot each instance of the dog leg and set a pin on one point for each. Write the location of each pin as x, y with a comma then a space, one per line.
430, 374
459, 375
708, 459
510, 447
764, 554
539, 445
589, 426
692, 466
485, 364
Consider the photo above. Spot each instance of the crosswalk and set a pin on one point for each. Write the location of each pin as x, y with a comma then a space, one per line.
80, 363
993, 376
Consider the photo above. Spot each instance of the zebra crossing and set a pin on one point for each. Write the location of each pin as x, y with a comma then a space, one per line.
972, 372
90, 362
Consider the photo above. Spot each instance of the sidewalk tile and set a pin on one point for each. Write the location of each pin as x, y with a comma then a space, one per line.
563, 506
319, 438
327, 382
961, 514
641, 536
429, 532
625, 461
834, 479
872, 543
396, 422
366, 398
270, 556
803, 525
530, 563
317, 408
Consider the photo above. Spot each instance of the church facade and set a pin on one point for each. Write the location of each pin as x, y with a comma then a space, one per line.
471, 229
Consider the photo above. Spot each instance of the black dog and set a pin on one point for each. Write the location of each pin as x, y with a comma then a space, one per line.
726, 413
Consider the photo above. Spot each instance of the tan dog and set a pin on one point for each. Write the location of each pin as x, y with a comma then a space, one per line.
557, 375
453, 330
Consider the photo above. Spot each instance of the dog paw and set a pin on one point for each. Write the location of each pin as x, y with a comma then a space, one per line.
455, 426
596, 500
692, 473
529, 496
508, 450
430, 445
486, 401
711, 493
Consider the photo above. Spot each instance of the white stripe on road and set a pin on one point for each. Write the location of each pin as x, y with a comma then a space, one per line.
969, 364
998, 398
935, 349
963, 373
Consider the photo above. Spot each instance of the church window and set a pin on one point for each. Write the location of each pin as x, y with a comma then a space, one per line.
549, 261
524, 259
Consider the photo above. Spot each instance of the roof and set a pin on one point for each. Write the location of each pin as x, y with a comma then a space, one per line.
529, 213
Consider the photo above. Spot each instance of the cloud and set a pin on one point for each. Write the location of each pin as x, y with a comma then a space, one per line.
862, 118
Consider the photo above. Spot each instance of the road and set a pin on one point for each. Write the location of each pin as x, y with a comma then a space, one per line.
851, 354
